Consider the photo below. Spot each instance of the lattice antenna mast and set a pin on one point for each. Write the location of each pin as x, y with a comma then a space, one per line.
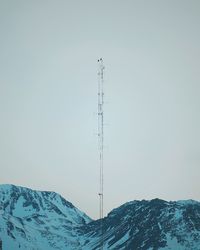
101, 142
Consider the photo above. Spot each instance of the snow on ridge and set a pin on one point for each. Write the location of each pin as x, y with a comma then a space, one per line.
166, 202
188, 202
33, 201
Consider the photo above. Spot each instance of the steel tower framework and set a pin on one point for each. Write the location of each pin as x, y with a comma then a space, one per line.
101, 144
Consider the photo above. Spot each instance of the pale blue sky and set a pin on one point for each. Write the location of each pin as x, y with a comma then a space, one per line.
48, 98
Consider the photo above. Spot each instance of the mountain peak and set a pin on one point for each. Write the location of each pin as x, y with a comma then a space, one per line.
44, 220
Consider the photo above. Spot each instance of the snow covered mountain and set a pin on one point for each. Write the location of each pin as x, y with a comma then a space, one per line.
37, 220
150, 225
46, 221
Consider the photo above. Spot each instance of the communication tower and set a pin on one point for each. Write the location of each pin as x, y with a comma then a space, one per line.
101, 144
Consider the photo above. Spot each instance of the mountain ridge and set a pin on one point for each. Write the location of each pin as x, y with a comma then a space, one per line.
42, 220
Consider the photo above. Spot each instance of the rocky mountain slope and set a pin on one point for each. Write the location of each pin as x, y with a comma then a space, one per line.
46, 221
37, 220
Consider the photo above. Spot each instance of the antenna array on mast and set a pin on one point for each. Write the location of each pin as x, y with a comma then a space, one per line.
101, 142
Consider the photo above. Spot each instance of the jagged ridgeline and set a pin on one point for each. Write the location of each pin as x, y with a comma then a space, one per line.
46, 221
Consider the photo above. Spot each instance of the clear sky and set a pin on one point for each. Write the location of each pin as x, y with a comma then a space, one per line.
48, 98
